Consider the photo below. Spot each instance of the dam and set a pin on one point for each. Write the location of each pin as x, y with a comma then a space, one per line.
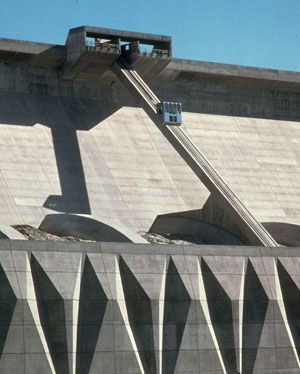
84, 153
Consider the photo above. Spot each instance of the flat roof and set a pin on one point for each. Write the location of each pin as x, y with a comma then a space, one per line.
129, 36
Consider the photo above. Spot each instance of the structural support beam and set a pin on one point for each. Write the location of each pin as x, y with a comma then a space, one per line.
253, 232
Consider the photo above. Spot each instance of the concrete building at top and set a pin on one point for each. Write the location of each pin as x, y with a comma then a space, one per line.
87, 150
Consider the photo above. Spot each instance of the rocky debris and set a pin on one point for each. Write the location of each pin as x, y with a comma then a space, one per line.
32, 233
171, 238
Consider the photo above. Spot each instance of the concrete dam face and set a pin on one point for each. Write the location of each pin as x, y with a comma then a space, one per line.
85, 153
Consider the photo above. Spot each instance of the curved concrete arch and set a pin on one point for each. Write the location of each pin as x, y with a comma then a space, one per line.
210, 234
88, 228
287, 234
8, 232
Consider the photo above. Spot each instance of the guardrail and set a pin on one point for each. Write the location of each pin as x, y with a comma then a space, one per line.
92, 46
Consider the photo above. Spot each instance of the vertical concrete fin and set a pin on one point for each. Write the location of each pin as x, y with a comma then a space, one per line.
92, 307
8, 302
217, 299
161, 314
122, 305
281, 304
288, 296
205, 308
139, 311
176, 309
241, 312
75, 316
51, 310
255, 308
32, 303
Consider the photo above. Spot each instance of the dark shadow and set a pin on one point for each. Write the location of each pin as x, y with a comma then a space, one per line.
220, 310
51, 56
255, 308
8, 302
68, 112
139, 311
190, 225
92, 307
87, 228
64, 116
52, 316
74, 197
291, 299
176, 310
234, 96
287, 234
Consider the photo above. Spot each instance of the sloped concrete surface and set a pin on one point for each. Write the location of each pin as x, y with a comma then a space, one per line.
73, 157
258, 158
81, 147
87, 142
8, 232
88, 228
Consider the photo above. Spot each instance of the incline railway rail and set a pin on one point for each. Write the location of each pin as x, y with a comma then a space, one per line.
191, 154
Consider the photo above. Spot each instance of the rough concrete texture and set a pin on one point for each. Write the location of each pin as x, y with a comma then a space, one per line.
69, 160
107, 154
127, 308
89, 228
9, 232
86, 148
209, 234
258, 158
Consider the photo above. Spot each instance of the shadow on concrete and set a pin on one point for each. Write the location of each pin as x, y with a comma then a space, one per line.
92, 307
220, 309
8, 302
70, 169
138, 305
255, 309
192, 223
64, 116
176, 310
287, 234
51, 310
88, 228
291, 299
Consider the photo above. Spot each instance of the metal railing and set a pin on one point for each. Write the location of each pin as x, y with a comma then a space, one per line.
96, 46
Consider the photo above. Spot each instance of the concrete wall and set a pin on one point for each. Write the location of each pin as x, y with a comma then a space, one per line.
87, 228
86, 142
126, 308
103, 158
84, 147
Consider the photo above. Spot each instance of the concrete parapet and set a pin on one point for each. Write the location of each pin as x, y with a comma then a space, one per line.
32, 53
128, 308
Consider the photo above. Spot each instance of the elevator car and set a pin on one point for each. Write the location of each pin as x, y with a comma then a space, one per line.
170, 113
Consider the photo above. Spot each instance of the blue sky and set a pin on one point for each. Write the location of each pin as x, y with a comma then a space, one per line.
263, 33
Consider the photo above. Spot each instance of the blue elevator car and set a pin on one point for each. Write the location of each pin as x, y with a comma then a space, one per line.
170, 113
